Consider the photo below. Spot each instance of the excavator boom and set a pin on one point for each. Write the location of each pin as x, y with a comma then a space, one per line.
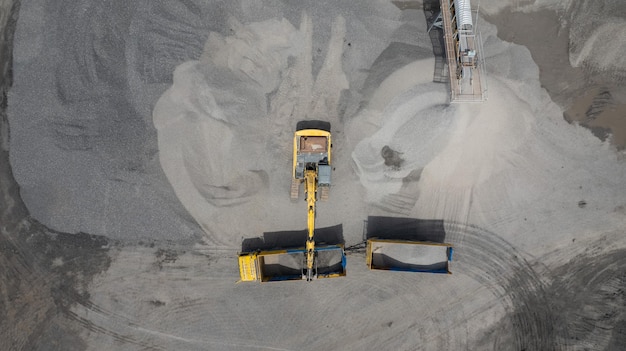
311, 190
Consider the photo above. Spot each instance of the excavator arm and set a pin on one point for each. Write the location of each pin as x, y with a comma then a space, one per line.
311, 192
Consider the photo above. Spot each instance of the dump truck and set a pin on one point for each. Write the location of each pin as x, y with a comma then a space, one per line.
408, 256
311, 166
279, 265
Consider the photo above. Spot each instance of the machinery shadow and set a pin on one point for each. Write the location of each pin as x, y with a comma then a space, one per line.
293, 239
402, 228
432, 10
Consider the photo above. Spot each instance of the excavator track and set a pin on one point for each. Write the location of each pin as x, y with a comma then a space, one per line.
295, 189
324, 192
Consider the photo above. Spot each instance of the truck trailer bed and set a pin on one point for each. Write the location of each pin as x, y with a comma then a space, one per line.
413, 256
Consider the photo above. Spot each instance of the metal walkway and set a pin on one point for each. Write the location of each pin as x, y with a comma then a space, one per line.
465, 68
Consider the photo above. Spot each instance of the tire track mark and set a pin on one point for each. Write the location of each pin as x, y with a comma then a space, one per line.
101, 320
590, 293
397, 204
507, 272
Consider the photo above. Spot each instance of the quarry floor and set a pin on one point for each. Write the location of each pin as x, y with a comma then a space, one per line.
121, 233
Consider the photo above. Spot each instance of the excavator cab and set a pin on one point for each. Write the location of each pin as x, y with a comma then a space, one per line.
312, 153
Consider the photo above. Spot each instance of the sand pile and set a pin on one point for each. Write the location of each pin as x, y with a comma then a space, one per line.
80, 147
510, 164
209, 122
595, 33
593, 30
83, 144
499, 164
87, 159
225, 127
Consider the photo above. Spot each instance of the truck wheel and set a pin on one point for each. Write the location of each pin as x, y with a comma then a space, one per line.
313, 124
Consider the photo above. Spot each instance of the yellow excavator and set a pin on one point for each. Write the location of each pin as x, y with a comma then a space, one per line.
312, 166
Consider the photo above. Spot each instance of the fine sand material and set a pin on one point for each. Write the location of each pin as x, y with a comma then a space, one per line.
225, 126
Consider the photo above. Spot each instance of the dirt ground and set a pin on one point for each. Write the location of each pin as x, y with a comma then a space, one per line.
112, 246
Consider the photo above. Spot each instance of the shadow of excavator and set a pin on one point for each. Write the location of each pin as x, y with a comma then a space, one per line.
402, 228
